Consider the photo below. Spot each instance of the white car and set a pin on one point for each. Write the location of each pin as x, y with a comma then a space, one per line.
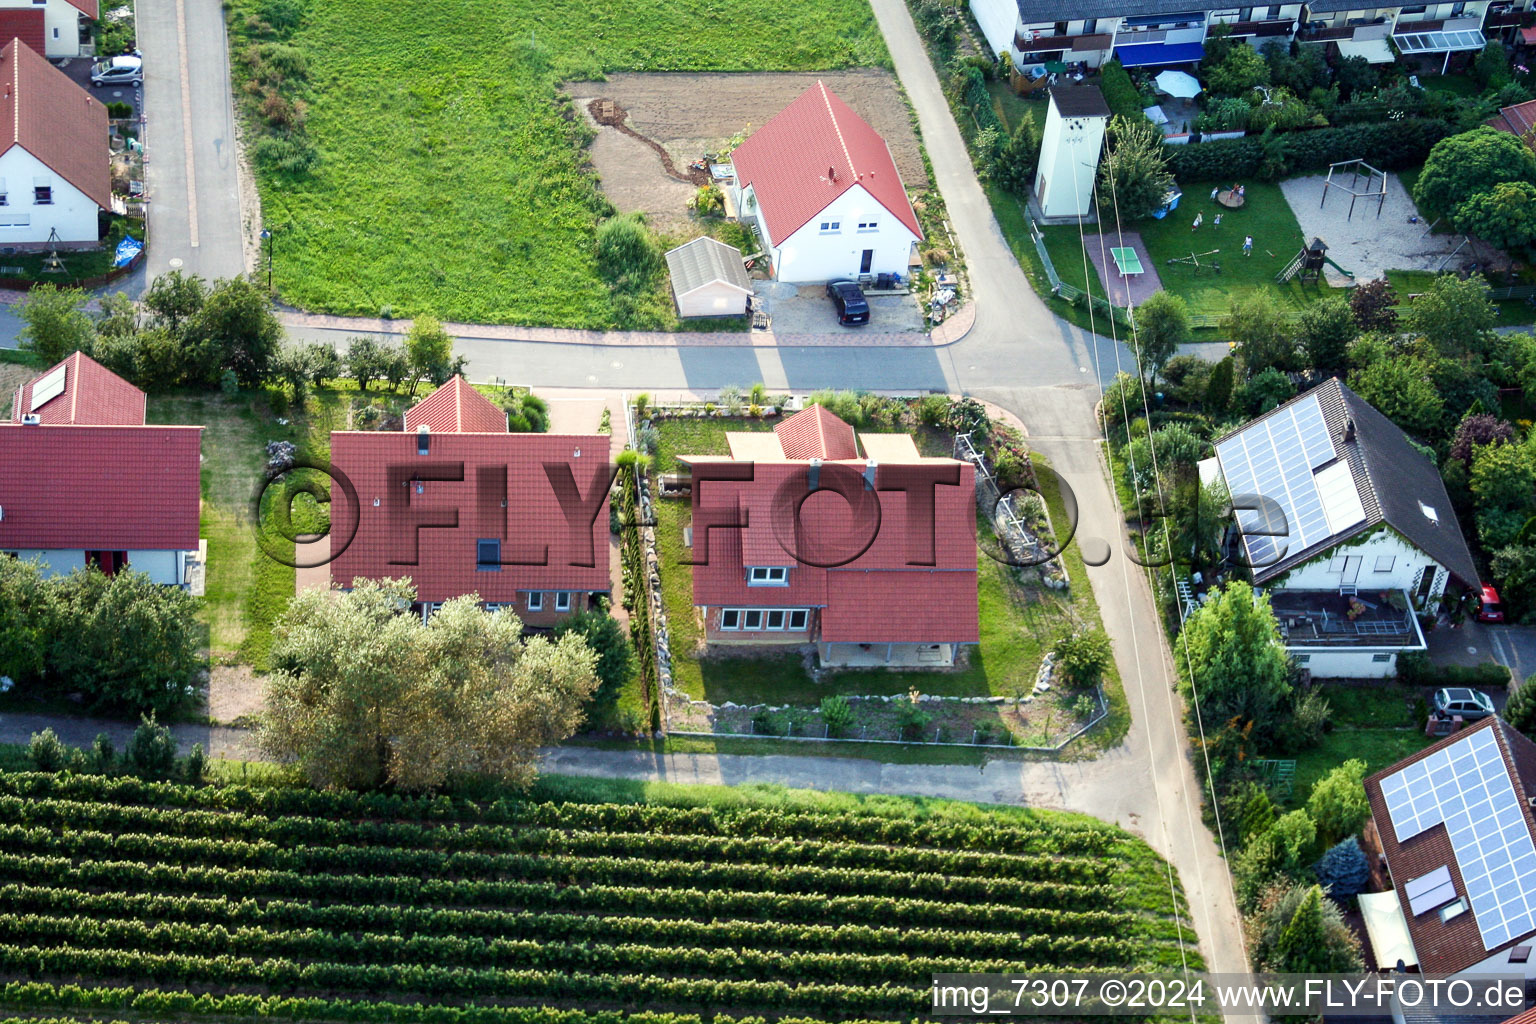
117, 71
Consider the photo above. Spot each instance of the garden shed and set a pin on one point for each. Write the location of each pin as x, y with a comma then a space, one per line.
708, 279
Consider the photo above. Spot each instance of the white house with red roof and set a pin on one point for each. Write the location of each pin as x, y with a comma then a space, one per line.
825, 193
54, 166
797, 538
460, 506
56, 28
85, 481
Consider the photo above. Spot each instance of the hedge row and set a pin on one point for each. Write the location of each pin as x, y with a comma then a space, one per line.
295, 831
712, 904
786, 823
1390, 145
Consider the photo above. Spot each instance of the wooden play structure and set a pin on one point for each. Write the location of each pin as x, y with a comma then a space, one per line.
1308, 264
1373, 185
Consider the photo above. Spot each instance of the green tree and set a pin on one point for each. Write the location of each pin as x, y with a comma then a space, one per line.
1401, 390
1264, 340
1475, 431
1453, 314
365, 361
174, 299
26, 618
1241, 70
54, 325
1504, 216
1296, 837
1514, 568
1300, 932
363, 693
429, 349
119, 318
1218, 393
1133, 177
151, 752
527, 413
1465, 165
616, 661
1355, 75
1162, 325
1020, 157
1343, 870
1235, 664
1338, 803
131, 645
1520, 712
1325, 330
1265, 390
1491, 67
237, 327
1503, 477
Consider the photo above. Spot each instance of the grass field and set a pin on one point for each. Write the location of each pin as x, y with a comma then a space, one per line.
452, 179
234, 903
1019, 621
1374, 723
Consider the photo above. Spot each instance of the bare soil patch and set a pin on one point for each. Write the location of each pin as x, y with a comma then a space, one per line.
235, 692
681, 117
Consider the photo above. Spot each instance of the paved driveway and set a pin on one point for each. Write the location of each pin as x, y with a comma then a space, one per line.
1475, 643
805, 309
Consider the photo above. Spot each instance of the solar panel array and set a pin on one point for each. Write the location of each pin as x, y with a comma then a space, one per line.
48, 387
1466, 787
1275, 458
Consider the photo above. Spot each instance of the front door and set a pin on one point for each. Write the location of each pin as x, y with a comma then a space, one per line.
866, 261
1426, 584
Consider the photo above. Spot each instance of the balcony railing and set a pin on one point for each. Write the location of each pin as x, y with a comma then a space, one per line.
1050, 44
1282, 27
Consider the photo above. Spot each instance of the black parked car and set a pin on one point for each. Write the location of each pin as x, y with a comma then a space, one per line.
852, 306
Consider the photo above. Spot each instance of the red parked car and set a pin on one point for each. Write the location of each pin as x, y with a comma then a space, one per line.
1492, 609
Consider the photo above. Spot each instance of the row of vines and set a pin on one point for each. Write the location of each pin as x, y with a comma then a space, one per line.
121, 896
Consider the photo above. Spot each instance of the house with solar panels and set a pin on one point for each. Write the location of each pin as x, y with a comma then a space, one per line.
1456, 827
856, 543
85, 481
1346, 525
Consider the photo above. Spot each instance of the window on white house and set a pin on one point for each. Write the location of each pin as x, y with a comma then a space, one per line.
869, 225
775, 619
797, 619
768, 576
10, 219
563, 601
1381, 657
752, 619
1336, 563
830, 226
536, 600
42, 195
730, 618
1302, 659
1384, 563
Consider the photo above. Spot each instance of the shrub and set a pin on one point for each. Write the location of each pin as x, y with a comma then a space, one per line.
288, 154
1119, 91
1338, 803
933, 410
1343, 870
46, 751
1414, 669
627, 256
103, 757
197, 765
151, 752
119, 111
837, 715
1082, 657
1389, 145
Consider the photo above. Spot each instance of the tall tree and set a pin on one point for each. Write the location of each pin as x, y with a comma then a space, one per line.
1133, 175
364, 694
174, 299
1465, 165
1162, 325
616, 661
54, 324
365, 361
430, 350
26, 617
1236, 665
1338, 803
239, 330
1504, 216
1264, 340
1401, 390
1313, 939
1325, 329
1020, 157
1372, 303
1453, 314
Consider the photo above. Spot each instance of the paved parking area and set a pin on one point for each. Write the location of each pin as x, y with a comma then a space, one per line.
1474, 642
805, 309
79, 71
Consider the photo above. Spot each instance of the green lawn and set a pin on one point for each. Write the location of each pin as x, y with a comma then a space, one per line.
1019, 618
1011, 107
451, 176
1266, 216
1374, 723
1456, 85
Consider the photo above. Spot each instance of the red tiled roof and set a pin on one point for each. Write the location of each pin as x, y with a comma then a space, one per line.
787, 162
883, 607
26, 25
90, 8
456, 407
1518, 120
886, 593
92, 394
1451, 946
815, 433
109, 488
48, 115
446, 556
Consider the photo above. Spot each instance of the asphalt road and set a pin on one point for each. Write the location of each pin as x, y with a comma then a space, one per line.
1018, 355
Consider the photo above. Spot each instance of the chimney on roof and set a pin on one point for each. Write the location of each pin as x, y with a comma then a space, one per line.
813, 475
831, 173
1349, 430
869, 474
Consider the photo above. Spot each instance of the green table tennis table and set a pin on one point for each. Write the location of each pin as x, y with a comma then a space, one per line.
1126, 261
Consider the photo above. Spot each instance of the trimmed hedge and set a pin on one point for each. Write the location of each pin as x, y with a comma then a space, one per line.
1391, 145
1119, 92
